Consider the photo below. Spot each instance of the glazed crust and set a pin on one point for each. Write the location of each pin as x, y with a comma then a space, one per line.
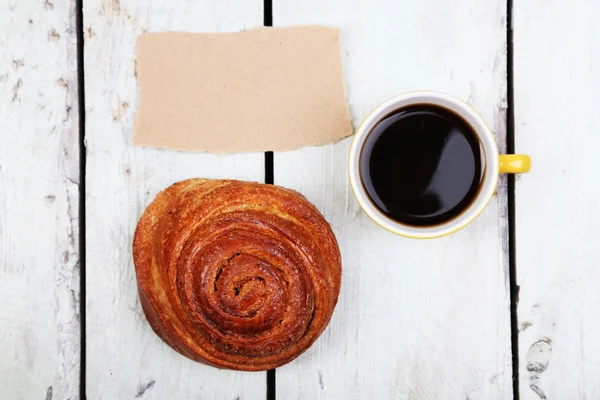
234, 274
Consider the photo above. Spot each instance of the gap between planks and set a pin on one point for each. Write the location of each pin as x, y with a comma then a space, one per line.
82, 162
512, 258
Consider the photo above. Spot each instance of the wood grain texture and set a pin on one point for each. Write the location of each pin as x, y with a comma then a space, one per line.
125, 359
416, 319
39, 202
557, 81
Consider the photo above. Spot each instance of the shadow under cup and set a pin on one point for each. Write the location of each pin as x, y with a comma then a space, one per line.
422, 165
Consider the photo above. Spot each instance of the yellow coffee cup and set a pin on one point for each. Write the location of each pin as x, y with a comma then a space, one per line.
492, 163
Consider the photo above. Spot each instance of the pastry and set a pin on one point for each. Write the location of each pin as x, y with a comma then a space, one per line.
234, 274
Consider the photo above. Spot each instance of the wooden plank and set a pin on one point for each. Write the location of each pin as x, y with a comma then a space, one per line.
125, 359
557, 81
39, 201
416, 319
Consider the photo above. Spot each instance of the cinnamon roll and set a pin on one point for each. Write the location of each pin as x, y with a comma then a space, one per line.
234, 274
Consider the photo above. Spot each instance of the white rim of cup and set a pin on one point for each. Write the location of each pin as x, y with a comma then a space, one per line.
489, 178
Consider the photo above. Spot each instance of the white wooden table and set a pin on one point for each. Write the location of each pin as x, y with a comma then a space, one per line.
506, 308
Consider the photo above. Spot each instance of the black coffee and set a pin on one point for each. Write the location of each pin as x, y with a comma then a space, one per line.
422, 165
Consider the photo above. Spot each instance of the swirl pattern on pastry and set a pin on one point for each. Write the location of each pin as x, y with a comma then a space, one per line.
234, 274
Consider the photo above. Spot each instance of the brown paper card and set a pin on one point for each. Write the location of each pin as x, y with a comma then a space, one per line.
264, 89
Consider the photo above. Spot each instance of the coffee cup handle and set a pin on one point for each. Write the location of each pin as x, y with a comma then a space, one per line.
514, 163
